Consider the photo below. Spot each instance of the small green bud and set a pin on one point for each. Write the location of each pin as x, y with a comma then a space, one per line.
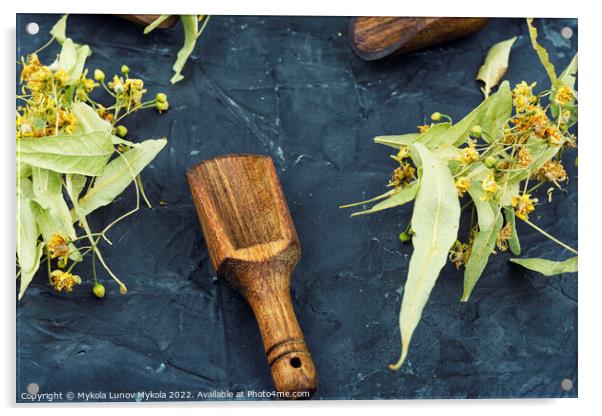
121, 131
161, 97
98, 290
405, 237
476, 131
490, 162
125, 69
99, 75
162, 106
62, 262
436, 116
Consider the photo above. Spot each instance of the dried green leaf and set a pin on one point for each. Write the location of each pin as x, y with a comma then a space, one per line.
435, 223
156, 23
566, 78
495, 65
88, 121
568, 75
59, 30
387, 194
119, 173
435, 136
540, 152
47, 189
490, 222
29, 251
548, 267
513, 242
398, 198
72, 59
191, 33
86, 154
51, 211
542, 53
491, 114
397, 141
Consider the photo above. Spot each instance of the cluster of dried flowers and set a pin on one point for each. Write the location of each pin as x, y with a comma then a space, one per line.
72, 158
492, 160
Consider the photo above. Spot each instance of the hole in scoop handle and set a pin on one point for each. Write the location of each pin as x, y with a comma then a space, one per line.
292, 368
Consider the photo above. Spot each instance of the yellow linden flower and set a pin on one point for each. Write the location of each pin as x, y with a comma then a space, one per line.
402, 175
135, 89
503, 236
423, 128
404, 153
524, 157
64, 280
490, 187
61, 77
70, 123
554, 136
57, 247
552, 171
564, 95
40, 80
463, 185
469, 154
523, 97
117, 85
523, 205
460, 253
32, 66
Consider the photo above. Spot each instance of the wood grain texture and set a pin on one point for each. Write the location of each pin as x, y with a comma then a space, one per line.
254, 247
147, 19
373, 38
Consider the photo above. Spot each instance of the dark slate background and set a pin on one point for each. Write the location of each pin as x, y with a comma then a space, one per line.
291, 88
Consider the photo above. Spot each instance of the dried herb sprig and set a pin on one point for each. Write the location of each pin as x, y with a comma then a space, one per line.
489, 158
72, 158
192, 32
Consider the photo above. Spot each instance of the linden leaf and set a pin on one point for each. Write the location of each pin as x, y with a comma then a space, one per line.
495, 65
191, 34
51, 211
59, 30
86, 154
398, 198
88, 121
491, 114
29, 251
542, 53
153, 25
118, 175
397, 141
490, 223
513, 241
72, 59
568, 75
435, 222
568, 78
548, 267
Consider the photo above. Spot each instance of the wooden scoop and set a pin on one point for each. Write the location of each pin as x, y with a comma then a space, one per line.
254, 247
373, 38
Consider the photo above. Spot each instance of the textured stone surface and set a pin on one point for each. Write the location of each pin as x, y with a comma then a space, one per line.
291, 88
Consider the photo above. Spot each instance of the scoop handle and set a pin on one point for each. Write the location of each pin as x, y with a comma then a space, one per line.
292, 368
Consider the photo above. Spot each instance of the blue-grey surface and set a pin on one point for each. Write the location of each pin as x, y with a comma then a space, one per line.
291, 88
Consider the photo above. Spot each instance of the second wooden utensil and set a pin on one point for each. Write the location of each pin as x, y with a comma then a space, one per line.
254, 247
373, 38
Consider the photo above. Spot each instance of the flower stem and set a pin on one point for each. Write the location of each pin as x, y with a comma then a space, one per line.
554, 239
